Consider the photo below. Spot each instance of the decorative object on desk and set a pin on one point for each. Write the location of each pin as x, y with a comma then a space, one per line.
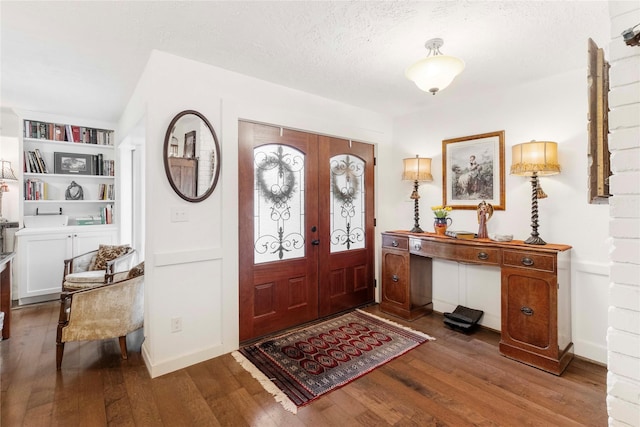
485, 212
417, 169
435, 72
473, 171
300, 366
441, 221
74, 192
465, 235
6, 174
501, 237
533, 159
73, 163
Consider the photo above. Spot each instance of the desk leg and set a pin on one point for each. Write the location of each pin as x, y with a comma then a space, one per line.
5, 298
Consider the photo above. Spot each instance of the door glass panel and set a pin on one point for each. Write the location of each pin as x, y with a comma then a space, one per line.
347, 203
279, 189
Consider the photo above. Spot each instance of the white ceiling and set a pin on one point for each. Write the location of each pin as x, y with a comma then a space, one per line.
84, 58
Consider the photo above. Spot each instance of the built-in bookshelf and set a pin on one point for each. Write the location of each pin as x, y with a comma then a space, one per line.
70, 169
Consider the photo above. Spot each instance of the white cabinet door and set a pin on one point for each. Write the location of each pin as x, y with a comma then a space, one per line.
84, 242
41, 263
41, 260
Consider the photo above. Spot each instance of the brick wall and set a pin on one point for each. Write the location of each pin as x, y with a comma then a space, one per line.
623, 334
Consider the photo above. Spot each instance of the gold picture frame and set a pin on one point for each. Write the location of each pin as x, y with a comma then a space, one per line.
473, 171
598, 117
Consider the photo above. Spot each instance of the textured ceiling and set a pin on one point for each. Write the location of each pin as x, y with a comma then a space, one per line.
84, 58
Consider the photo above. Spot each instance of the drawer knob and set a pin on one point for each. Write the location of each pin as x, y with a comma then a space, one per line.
483, 255
418, 246
527, 311
395, 278
394, 243
527, 261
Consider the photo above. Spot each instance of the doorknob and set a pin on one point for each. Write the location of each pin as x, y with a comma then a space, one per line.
315, 242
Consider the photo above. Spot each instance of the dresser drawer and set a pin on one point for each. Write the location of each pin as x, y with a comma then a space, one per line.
432, 249
395, 242
534, 261
488, 256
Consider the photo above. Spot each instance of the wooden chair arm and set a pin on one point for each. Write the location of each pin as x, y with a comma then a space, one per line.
122, 263
69, 263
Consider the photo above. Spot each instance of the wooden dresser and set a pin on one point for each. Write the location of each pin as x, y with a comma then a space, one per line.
535, 289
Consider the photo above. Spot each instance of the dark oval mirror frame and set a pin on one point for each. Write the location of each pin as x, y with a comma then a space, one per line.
167, 168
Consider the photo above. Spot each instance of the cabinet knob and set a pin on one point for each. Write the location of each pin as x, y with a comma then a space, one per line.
527, 261
527, 311
395, 278
394, 243
483, 255
417, 246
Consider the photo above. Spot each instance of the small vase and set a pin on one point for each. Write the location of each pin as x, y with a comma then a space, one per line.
440, 225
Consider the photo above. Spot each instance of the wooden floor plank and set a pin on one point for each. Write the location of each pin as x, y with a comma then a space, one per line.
458, 379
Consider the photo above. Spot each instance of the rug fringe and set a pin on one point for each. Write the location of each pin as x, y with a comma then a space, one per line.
397, 325
266, 383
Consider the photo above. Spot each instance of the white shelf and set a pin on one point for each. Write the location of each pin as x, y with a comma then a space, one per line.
65, 175
68, 144
68, 201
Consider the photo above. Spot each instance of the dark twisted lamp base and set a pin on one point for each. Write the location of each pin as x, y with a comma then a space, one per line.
535, 238
416, 209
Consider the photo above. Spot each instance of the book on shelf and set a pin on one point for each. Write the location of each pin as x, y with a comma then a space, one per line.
105, 192
89, 220
65, 132
41, 162
35, 189
458, 234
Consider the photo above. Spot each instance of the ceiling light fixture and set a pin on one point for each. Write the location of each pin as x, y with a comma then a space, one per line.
435, 72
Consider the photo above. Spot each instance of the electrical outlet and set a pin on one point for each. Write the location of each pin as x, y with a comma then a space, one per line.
176, 324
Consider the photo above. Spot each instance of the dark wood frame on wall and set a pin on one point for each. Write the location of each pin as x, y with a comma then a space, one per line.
599, 162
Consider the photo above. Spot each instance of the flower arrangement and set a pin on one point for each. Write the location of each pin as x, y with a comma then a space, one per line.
441, 211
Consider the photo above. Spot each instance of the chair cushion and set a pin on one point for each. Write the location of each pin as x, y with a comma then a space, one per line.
84, 279
107, 253
136, 271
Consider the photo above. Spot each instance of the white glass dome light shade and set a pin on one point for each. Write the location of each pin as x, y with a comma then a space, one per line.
435, 73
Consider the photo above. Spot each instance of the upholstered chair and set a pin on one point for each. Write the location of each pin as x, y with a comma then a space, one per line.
93, 268
111, 310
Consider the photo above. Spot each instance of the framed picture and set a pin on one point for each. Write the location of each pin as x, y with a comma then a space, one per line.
599, 163
473, 171
73, 163
190, 145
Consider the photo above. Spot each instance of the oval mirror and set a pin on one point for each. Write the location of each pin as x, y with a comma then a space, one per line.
191, 156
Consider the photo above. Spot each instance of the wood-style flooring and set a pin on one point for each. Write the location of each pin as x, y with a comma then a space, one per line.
457, 380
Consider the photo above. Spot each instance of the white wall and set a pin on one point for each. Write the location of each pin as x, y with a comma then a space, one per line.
623, 335
553, 109
9, 150
191, 268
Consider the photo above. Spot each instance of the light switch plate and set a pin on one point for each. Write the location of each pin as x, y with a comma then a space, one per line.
179, 215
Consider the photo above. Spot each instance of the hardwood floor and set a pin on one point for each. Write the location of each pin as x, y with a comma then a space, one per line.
457, 380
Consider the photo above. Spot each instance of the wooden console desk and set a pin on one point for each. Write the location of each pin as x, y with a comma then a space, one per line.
535, 293
5, 291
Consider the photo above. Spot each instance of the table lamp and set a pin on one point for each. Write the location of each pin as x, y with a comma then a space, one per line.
416, 169
535, 158
6, 173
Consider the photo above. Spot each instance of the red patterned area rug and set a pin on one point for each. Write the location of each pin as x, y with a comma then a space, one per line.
300, 366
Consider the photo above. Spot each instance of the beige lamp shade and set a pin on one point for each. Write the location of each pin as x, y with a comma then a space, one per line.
535, 156
6, 172
417, 169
